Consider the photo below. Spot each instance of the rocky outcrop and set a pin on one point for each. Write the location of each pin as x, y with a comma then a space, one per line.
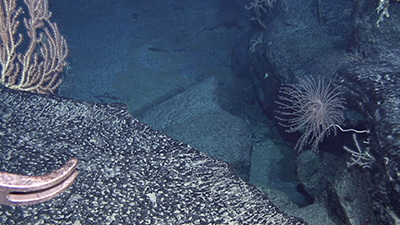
341, 41
129, 173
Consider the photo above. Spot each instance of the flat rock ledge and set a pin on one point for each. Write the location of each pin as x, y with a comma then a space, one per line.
195, 118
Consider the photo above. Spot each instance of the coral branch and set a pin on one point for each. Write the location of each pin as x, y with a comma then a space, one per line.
38, 68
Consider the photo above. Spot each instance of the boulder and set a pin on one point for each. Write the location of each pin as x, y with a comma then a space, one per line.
129, 173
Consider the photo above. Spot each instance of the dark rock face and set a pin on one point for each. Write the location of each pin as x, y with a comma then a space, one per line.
348, 45
375, 92
371, 37
129, 173
345, 192
302, 38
